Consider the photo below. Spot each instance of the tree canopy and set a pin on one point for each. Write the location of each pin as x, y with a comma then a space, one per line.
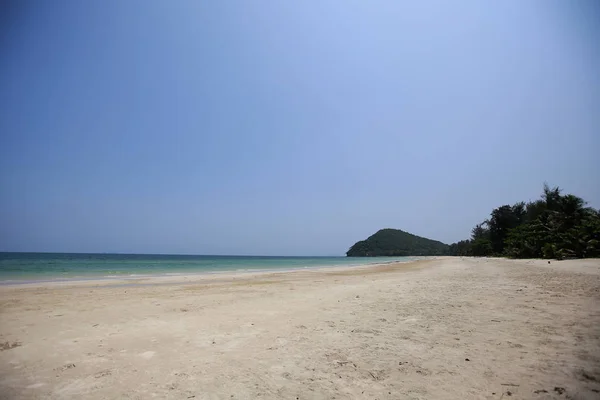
394, 242
555, 226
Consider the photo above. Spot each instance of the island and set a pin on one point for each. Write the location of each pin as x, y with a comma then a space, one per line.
397, 243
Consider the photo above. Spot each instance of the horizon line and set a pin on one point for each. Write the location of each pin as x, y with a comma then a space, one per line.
155, 254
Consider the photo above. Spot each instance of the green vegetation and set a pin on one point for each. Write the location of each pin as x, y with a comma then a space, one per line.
394, 242
556, 226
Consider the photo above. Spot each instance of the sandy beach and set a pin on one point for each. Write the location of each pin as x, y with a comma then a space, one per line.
448, 328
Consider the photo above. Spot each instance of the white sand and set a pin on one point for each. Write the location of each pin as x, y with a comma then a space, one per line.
391, 332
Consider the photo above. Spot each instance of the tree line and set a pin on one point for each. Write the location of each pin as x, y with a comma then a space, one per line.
555, 226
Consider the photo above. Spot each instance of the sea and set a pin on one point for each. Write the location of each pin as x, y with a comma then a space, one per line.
43, 267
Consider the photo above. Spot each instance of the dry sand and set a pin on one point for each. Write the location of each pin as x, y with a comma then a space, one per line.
449, 328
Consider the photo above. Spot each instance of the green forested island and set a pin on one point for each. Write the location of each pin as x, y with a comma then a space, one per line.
394, 242
555, 226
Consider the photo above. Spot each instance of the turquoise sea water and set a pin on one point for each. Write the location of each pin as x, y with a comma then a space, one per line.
16, 267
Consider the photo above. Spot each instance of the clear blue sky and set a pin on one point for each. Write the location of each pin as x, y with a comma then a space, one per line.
287, 128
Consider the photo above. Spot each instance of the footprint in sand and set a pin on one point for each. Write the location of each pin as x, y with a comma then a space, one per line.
148, 354
105, 372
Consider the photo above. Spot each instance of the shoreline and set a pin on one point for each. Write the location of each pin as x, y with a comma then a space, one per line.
20, 268
191, 277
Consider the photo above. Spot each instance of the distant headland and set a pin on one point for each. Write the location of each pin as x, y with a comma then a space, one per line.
397, 243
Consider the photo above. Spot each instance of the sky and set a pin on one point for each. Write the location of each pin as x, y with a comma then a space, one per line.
287, 128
